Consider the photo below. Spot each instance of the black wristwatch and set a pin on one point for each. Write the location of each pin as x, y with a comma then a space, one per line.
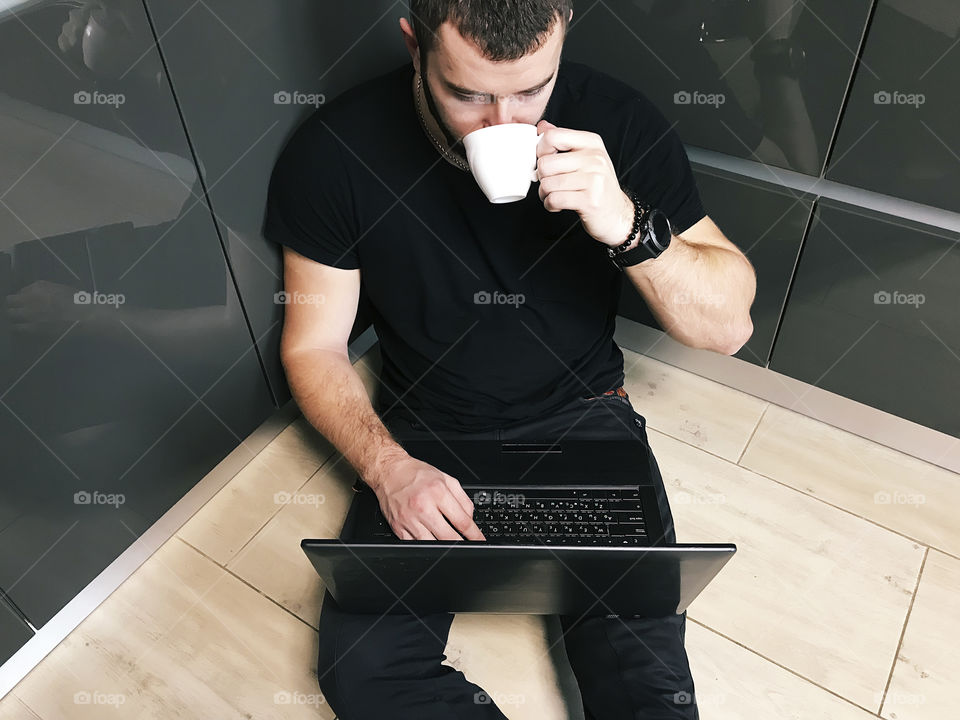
655, 235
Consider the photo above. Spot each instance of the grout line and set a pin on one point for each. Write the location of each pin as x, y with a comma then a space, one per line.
323, 463
903, 630
752, 433
255, 589
309, 477
784, 667
12, 697
812, 497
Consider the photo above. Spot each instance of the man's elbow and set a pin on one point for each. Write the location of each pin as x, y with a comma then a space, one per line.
736, 340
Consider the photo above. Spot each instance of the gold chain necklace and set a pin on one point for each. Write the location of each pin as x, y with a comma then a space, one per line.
448, 155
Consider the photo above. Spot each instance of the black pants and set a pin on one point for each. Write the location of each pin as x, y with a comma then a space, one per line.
627, 667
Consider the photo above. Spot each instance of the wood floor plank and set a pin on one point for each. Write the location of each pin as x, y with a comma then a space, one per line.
926, 677
698, 411
871, 480
813, 588
181, 638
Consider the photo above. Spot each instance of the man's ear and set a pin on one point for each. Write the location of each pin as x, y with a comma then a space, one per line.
410, 40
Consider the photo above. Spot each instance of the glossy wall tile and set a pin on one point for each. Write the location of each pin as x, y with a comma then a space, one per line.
13, 631
246, 75
901, 130
760, 79
127, 370
873, 315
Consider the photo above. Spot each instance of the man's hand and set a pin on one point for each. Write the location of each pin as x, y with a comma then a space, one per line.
47, 309
576, 173
418, 500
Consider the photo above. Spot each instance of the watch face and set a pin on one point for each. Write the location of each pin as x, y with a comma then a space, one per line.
660, 229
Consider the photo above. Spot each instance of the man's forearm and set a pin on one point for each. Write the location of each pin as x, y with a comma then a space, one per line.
333, 399
701, 295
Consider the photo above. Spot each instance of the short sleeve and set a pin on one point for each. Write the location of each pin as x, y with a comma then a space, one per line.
310, 204
654, 163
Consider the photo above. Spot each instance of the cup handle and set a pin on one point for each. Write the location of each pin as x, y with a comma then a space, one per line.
534, 177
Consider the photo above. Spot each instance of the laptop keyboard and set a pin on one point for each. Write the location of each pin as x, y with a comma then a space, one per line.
554, 516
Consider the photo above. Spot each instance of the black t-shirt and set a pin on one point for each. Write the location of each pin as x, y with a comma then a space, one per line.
360, 185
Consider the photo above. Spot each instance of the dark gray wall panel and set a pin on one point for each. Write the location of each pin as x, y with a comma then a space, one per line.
227, 61
767, 223
655, 46
13, 632
901, 131
126, 364
845, 331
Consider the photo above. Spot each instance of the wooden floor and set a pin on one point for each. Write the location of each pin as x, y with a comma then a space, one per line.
842, 603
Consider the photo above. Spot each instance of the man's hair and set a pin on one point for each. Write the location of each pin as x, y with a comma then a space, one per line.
502, 29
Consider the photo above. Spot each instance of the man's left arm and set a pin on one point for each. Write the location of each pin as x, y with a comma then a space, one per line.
700, 289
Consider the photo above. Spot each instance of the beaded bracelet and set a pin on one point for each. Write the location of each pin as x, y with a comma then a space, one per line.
640, 211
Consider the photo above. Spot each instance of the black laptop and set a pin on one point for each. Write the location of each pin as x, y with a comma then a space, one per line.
572, 527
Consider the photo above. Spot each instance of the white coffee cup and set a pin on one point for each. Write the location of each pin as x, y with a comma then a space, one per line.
503, 160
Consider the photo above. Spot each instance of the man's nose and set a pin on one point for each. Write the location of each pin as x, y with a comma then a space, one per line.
501, 111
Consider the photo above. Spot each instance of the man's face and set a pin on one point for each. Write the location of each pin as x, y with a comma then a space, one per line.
467, 92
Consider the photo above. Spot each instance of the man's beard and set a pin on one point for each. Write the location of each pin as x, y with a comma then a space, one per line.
449, 138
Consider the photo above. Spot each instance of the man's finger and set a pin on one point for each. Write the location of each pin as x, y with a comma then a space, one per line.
461, 520
563, 139
437, 521
560, 163
460, 495
419, 532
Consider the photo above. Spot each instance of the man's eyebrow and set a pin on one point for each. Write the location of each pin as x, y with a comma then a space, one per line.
465, 91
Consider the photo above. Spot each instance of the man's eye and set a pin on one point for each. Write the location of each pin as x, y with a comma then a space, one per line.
533, 93
470, 98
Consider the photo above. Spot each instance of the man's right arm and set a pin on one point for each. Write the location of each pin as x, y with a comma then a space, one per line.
334, 400
419, 501
323, 381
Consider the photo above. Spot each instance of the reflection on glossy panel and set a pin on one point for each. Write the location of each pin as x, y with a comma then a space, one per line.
763, 79
767, 223
246, 74
901, 131
126, 367
873, 315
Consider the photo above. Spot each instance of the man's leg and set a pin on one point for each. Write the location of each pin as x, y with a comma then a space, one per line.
626, 667
372, 666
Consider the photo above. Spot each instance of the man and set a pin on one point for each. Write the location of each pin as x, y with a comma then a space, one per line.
493, 320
